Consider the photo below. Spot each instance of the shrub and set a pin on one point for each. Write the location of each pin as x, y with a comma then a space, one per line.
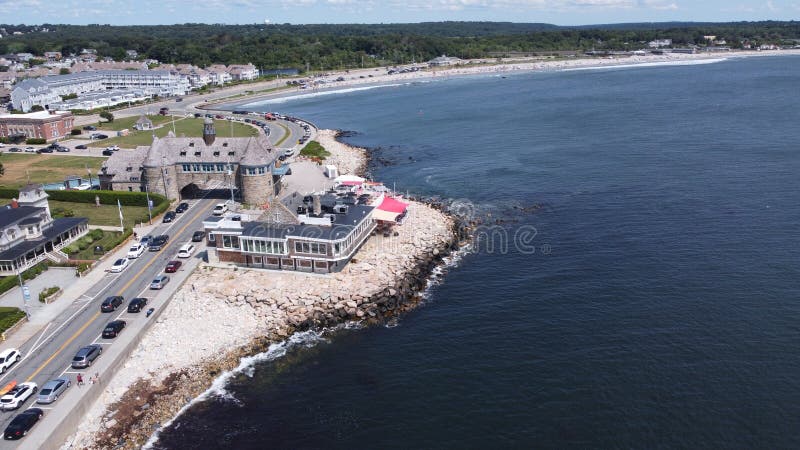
96, 234
9, 193
71, 249
81, 244
35, 141
75, 131
47, 292
107, 197
62, 212
314, 150
10, 316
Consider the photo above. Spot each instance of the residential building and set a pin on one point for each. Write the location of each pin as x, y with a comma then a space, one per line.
48, 125
658, 43
443, 61
52, 56
243, 72
29, 234
131, 54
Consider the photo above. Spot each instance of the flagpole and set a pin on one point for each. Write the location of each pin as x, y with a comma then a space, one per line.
121, 224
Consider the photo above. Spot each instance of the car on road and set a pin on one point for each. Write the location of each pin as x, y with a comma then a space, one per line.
8, 358
186, 250
136, 251
173, 266
113, 328
43, 150
17, 396
169, 216
159, 282
81, 147
22, 423
30, 150
220, 209
107, 152
198, 236
61, 149
137, 304
119, 265
113, 148
158, 242
111, 303
89, 128
52, 390
288, 152
15, 149
183, 206
86, 356
145, 240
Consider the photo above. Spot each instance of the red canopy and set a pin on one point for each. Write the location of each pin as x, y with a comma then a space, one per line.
351, 183
392, 205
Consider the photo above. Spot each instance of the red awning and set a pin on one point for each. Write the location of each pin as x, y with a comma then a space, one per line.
351, 183
392, 205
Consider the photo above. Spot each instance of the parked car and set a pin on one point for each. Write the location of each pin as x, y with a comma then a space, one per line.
169, 216
113, 328
22, 423
136, 251
159, 282
52, 390
15, 149
81, 147
182, 207
107, 152
17, 396
86, 356
145, 240
8, 358
220, 209
119, 265
62, 149
43, 150
137, 304
89, 128
111, 303
186, 251
198, 236
113, 148
158, 242
173, 266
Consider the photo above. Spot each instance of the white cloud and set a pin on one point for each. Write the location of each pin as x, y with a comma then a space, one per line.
771, 6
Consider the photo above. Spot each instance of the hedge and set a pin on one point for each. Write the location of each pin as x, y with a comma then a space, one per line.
35, 141
9, 282
107, 197
47, 292
9, 193
9, 316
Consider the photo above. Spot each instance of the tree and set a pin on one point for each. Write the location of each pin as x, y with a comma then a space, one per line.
107, 116
63, 71
35, 108
2, 170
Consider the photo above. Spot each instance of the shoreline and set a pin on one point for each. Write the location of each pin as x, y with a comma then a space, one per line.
387, 278
489, 68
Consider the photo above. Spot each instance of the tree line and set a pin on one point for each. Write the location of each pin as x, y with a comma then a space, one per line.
331, 46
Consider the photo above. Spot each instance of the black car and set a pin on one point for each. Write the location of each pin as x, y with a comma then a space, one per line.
107, 152
198, 236
182, 207
15, 149
113, 328
137, 304
89, 128
169, 216
146, 240
158, 242
62, 149
22, 423
46, 150
197, 115
111, 303
81, 147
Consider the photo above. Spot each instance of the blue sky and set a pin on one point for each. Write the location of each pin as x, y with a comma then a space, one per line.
560, 12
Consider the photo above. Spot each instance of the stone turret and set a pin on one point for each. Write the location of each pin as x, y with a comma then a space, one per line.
209, 133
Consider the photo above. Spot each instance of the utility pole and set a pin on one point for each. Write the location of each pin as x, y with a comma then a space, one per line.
26, 294
149, 205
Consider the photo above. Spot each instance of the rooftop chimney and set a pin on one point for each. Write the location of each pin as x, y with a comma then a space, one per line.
317, 205
209, 134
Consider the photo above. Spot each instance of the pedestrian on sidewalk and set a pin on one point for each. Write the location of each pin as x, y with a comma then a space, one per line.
80, 379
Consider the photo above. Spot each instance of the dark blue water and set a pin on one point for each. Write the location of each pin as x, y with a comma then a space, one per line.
658, 304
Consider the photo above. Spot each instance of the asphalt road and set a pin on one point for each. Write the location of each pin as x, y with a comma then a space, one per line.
48, 355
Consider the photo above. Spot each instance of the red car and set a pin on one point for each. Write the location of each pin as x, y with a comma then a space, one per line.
172, 266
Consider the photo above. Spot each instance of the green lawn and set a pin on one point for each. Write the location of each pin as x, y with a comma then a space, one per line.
107, 215
190, 127
128, 122
9, 316
21, 167
108, 241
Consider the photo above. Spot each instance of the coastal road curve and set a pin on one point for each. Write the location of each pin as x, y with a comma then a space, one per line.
48, 355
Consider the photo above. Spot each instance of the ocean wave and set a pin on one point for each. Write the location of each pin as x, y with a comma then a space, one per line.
648, 64
280, 100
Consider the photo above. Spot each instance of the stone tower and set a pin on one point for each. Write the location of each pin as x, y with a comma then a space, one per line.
209, 133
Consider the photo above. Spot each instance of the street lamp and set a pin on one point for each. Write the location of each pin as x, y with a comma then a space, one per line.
26, 294
149, 205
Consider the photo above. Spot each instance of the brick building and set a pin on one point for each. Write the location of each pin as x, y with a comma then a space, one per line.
49, 125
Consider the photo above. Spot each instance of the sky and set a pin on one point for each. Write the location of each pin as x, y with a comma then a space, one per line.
558, 12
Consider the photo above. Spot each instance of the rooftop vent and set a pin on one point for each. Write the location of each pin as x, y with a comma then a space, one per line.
216, 153
191, 144
231, 153
183, 153
224, 144
196, 153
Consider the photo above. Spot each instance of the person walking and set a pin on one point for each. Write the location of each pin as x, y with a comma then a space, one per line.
80, 380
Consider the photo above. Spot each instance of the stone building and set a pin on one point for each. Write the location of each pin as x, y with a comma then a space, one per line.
179, 166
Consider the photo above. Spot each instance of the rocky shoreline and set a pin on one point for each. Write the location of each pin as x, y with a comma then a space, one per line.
212, 315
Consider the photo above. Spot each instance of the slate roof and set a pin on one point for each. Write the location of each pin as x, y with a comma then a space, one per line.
248, 151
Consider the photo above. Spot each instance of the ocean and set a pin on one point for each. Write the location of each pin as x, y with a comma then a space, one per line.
636, 283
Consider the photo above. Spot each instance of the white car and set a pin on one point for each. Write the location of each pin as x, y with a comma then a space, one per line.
220, 209
119, 265
288, 152
17, 396
136, 251
186, 251
8, 358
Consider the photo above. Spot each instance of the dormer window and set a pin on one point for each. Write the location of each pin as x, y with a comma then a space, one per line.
231, 153
196, 153
224, 144
129, 169
183, 153
191, 144
216, 153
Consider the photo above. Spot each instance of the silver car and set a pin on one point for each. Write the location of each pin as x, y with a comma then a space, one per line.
52, 390
86, 355
159, 282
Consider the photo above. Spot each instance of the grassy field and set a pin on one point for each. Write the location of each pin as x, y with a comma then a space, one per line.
20, 168
103, 215
107, 242
128, 122
189, 127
